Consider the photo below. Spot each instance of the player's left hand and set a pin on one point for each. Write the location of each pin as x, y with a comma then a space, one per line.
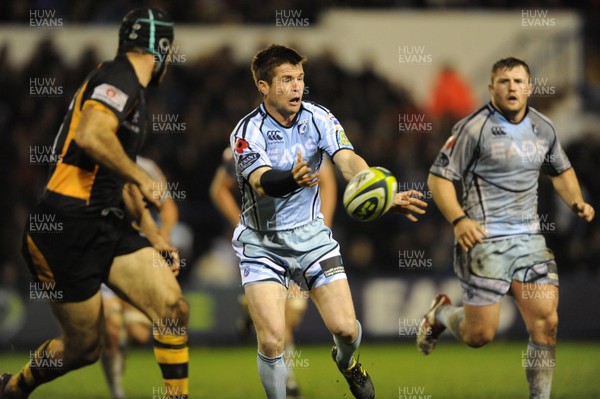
301, 173
407, 203
169, 253
584, 210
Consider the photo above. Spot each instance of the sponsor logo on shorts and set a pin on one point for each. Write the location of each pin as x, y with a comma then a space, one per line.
334, 271
332, 266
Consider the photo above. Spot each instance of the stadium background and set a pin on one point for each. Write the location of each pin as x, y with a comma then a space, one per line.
396, 74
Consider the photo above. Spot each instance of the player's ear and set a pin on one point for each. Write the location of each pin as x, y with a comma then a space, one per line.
263, 87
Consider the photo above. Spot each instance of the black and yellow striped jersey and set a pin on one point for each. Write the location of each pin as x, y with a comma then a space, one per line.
77, 184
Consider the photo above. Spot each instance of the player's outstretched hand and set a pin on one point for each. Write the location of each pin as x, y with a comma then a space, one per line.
302, 174
469, 233
408, 203
584, 210
169, 253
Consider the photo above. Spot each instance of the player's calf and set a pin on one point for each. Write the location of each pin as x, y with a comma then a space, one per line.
171, 347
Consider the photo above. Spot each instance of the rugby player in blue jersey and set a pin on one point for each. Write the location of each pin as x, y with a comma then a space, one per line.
497, 154
278, 149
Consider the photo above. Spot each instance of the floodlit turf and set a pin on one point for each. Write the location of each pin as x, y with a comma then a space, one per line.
451, 371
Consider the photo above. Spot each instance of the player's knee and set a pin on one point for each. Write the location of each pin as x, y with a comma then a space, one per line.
178, 311
551, 325
271, 345
478, 338
85, 353
545, 329
346, 330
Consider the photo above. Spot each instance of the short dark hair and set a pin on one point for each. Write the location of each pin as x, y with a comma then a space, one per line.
509, 63
266, 60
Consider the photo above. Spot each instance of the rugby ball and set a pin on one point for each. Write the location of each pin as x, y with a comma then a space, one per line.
370, 193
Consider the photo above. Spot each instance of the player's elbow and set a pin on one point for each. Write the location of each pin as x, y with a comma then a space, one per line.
217, 188
255, 181
214, 191
260, 190
257, 186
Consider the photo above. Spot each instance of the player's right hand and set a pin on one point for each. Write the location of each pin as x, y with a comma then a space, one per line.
469, 233
408, 203
584, 211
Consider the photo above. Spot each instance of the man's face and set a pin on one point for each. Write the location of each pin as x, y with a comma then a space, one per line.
284, 93
510, 89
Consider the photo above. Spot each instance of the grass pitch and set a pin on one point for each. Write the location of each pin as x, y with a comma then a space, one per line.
399, 372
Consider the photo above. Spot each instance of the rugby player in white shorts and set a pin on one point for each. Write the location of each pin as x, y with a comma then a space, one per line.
278, 149
497, 154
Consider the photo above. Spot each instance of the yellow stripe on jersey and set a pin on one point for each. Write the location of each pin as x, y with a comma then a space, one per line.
93, 104
72, 181
39, 261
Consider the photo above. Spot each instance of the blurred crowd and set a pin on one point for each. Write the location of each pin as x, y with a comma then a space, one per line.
249, 11
207, 95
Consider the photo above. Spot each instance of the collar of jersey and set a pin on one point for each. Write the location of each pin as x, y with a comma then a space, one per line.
494, 110
264, 109
123, 56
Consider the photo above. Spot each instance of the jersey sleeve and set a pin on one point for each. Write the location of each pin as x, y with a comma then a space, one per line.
456, 154
556, 160
113, 88
333, 137
249, 150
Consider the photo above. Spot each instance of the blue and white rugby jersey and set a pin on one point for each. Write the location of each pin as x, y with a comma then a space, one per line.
499, 163
259, 140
